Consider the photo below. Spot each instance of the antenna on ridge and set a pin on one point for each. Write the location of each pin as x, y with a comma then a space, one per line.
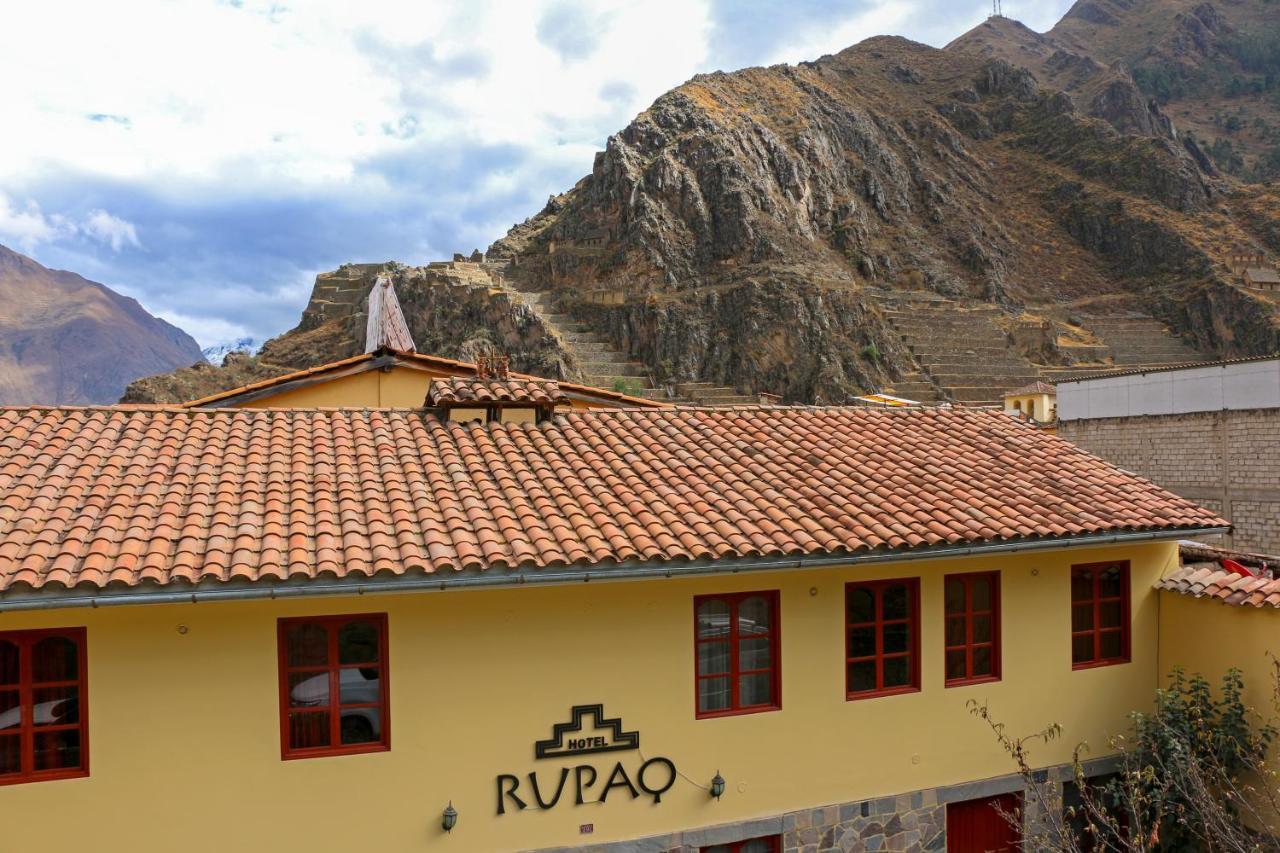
997, 8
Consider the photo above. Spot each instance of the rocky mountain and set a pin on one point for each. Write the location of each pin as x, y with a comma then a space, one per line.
65, 339
1209, 69
943, 224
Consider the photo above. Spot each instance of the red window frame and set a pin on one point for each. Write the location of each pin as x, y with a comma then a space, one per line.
913, 650
967, 615
332, 625
26, 686
735, 672
1094, 571
773, 842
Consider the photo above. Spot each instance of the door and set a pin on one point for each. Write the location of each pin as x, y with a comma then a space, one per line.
980, 826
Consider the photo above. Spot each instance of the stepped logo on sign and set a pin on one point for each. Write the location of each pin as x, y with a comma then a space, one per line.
587, 732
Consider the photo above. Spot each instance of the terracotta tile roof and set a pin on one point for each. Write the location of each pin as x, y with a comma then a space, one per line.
433, 362
1036, 387
1211, 580
95, 496
453, 390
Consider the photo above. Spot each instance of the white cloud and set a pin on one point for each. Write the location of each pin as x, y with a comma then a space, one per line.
196, 91
28, 226
112, 230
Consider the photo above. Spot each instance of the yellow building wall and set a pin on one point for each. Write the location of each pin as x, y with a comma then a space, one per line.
397, 388
1040, 406
185, 739
1210, 637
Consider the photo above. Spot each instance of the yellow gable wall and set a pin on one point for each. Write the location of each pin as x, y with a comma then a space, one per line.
185, 738
397, 388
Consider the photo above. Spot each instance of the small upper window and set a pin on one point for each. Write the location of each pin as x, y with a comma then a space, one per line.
43, 720
882, 638
972, 628
333, 685
737, 667
1099, 614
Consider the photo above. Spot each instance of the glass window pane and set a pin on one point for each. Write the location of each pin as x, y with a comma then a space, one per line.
1111, 646
10, 712
981, 593
719, 848
895, 601
1109, 614
754, 615
54, 659
757, 845
862, 642
1082, 648
713, 619
1111, 586
955, 596
56, 706
713, 658
57, 750
956, 664
862, 676
755, 689
955, 631
897, 638
1081, 617
755, 653
862, 605
307, 644
308, 689
897, 672
982, 662
358, 643
713, 694
361, 725
10, 754
1081, 586
308, 730
8, 663
982, 629
359, 685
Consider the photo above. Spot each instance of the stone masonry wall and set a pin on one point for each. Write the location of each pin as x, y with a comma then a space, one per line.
1228, 461
913, 823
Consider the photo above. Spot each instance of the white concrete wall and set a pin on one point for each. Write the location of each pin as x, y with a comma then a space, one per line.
1245, 385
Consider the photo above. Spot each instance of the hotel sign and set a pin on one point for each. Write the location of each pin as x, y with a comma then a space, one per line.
587, 732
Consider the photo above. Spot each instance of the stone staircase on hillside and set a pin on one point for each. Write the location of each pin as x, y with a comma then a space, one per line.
602, 365
1129, 343
964, 356
707, 394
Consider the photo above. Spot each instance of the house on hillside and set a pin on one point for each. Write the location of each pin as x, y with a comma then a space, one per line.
1037, 401
611, 629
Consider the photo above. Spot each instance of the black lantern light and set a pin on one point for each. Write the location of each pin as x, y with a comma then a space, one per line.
450, 818
717, 785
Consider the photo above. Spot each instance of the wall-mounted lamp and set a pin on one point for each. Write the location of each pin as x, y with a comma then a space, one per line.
717, 785
450, 818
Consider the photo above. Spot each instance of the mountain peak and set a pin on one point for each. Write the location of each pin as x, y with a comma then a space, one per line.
65, 339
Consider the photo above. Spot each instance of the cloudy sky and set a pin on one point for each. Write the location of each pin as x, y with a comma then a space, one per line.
209, 157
